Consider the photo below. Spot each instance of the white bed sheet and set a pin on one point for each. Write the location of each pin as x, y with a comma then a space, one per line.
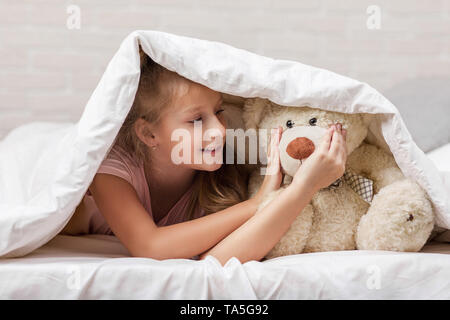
99, 267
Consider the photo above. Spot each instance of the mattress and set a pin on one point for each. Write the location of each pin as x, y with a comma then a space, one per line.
99, 267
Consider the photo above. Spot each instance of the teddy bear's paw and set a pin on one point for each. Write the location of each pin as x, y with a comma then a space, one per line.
294, 239
400, 218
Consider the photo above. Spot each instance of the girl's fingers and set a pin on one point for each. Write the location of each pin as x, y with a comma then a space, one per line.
336, 143
343, 152
344, 145
275, 139
276, 134
326, 140
272, 146
273, 153
280, 133
338, 146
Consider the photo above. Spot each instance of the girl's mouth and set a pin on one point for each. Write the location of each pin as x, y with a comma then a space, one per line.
212, 150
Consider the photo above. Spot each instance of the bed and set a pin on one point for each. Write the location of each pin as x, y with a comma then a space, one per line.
39, 263
99, 267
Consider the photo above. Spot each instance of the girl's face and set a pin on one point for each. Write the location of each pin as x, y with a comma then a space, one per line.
191, 132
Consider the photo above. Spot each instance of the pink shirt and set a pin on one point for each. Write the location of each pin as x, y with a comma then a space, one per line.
120, 163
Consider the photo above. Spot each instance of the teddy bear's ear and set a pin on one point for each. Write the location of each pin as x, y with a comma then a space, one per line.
253, 111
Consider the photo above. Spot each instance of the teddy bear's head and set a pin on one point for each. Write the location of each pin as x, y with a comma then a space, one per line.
303, 128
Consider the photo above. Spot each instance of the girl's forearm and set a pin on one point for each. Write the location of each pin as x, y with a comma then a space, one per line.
257, 236
191, 238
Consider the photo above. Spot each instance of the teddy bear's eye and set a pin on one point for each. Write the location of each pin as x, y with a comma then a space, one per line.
313, 121
289, 123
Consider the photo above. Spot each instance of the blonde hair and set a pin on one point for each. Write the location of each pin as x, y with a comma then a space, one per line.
157, 89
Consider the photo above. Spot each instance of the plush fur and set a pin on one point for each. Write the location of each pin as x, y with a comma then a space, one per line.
399, 218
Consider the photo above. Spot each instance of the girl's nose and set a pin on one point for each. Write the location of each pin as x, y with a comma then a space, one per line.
219, 126
216, 129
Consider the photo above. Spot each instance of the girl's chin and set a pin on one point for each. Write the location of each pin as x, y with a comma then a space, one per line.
208, 167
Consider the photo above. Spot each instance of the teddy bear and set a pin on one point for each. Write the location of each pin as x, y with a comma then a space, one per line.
373, 206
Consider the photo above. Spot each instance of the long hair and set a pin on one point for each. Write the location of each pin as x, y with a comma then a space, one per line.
158, 86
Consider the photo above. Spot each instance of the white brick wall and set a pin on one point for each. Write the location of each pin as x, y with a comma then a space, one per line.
47, 72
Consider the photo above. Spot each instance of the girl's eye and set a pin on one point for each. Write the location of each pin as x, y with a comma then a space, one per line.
198, 119
313, 121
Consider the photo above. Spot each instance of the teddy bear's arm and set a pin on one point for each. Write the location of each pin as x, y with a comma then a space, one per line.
374, 163
400, 216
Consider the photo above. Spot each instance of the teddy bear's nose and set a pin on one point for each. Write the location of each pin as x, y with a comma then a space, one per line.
300, 148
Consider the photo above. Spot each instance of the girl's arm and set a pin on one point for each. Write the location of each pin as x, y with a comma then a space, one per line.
119, 204
255, 238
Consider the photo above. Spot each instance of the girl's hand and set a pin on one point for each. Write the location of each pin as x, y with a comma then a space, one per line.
327, 163
273, 176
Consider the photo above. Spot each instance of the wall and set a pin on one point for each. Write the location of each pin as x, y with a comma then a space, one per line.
48, 71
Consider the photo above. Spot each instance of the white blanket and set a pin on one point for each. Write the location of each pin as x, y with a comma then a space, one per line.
99, 267
45, 168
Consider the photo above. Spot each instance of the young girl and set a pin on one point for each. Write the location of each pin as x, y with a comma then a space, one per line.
162, 210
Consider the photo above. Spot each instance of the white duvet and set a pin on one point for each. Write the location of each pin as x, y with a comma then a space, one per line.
45, 168
99, 267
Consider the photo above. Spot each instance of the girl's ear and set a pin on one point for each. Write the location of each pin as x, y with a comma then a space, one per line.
254, 109
143, 130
